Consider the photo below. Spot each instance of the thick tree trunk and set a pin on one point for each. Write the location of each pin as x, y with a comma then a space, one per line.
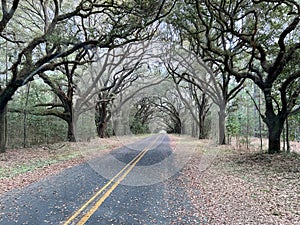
201, 127
177, 124
275, 123
177, 128
3, 132
275, 129
7, 93
101, 118
5, 96
274, 142
101, 129
71, 131
222, 116
202, 130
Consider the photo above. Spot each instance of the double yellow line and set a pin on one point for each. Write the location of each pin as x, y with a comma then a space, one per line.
111, 185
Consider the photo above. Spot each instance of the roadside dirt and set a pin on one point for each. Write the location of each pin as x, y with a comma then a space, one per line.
245, 187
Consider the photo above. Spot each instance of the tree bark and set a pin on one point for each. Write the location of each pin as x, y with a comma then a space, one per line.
275, 123
288, 147
70, 119
177, 127
259, 122
3, 132
25, 117
274, 141
101, 118
71, 131
222, 116
7, 93
202, 134
101, 129
5, 96
275, 127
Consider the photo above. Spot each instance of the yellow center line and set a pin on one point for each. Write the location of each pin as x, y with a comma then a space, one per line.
131, 164
99, 192
109, 191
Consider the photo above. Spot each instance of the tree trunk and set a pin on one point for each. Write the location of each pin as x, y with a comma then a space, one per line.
275, 129
5, 96
288, 146
7, 93
275, 123
25, 116
222, 116
101, 129
101, 118
183, 131
259, 124
71, 131
201, 131
71, 120
3, 132
201, 127
274, 142
177, 128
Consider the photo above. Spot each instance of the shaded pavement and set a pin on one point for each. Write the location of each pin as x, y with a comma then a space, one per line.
147, 195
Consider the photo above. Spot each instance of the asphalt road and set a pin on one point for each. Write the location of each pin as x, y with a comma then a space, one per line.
135, 184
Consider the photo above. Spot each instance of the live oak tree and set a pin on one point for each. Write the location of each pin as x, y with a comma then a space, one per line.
108, 73
115, 77
62, 84
191, 35
265, 35
44, 40
190, 90
64, 89
169, 107
257, 40
142, 112
7, 12
184, 64
196, 101
114, 71
148, 84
